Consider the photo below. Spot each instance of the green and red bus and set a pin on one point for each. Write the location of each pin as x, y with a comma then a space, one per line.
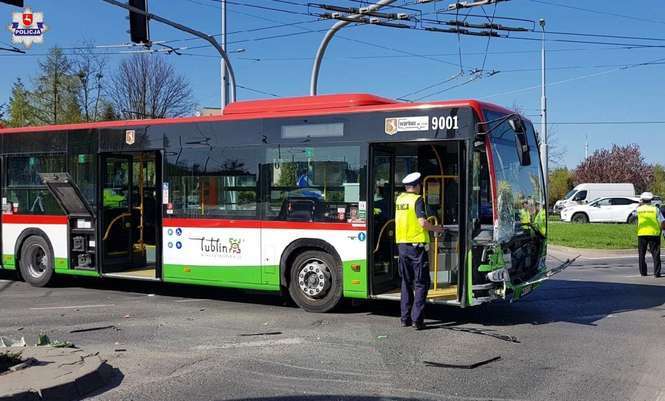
292, 195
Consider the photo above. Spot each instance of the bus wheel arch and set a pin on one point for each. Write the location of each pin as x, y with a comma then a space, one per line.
37, 238
312, 257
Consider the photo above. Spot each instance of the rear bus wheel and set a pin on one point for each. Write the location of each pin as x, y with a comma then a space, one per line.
36, 262
316, 281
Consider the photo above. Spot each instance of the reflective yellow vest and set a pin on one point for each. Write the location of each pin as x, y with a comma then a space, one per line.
407, 228
647, 221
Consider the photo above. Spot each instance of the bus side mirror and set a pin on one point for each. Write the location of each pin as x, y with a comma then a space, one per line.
516, 124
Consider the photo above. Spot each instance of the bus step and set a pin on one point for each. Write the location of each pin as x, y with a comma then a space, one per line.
449, 292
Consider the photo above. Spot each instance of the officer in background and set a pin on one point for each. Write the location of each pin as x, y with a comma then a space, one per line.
412, 237
650, 223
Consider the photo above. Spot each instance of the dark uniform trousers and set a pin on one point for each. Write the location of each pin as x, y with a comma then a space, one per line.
652, 242
414, 269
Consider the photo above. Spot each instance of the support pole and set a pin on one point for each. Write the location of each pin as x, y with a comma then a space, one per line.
326, 40
544, 155
224, 71
208, 38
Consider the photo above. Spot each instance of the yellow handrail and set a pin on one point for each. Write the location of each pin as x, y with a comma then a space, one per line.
108, 228
436, 254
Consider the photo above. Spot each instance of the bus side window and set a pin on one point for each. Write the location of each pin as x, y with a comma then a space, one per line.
320, 183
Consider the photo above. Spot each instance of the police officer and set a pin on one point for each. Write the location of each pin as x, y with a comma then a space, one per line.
650, 223
412, 237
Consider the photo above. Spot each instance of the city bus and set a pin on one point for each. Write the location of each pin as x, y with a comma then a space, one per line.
292, 195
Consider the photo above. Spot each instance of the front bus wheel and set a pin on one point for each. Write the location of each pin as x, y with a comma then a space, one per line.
36, 262
316, 281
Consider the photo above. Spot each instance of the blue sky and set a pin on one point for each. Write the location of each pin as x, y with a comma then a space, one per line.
586, 80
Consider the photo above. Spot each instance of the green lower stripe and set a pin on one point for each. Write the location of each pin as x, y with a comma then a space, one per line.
355, 282
266, 277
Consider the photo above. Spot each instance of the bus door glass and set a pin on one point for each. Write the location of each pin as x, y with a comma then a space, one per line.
115, 210
383, 252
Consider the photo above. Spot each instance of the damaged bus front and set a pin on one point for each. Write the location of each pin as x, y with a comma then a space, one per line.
508, 211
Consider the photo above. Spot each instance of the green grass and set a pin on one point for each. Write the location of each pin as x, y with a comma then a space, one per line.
596, 236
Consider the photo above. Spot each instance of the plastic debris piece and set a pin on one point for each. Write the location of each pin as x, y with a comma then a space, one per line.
381, 337
269, 333
10, 342
43, 340
61, 344
120, 350
151, 295
94, 329
461, 366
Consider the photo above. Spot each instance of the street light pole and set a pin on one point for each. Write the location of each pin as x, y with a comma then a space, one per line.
543, 106
224, 98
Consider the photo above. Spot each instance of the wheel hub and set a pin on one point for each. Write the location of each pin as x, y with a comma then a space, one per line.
38, 262
314, 278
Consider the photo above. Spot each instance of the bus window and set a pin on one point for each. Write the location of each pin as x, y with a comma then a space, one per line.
320, 183
25, 190
215, 183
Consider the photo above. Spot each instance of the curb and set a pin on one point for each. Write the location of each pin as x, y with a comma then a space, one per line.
592, 253
73, 376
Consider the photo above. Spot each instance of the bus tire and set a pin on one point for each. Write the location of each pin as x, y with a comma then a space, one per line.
36, 262
316, 281
580, 218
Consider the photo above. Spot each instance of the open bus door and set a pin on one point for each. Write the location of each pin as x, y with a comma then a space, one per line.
439, 164
130, 214
81, 221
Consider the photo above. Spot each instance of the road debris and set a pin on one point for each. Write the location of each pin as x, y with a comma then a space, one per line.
268, 333
94, 329
461, 366
10, 342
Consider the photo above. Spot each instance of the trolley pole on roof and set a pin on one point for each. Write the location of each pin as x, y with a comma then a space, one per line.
329, 35
210, 39
543, 117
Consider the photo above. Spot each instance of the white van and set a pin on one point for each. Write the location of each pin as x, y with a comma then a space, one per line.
585, 193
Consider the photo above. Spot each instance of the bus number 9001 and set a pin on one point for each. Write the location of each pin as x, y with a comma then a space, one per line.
444, 123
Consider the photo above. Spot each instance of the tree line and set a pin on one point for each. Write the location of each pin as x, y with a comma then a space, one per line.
618, 164
83, 87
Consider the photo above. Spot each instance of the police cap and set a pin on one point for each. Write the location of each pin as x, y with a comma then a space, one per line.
411, 179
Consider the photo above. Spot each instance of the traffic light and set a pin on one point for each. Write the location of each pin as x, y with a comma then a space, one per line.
17, 3
138, 23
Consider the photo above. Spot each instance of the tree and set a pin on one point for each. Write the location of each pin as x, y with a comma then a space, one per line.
559, 183
146, 86
619, 164
55, 95
89, 68
21, 112
658, 183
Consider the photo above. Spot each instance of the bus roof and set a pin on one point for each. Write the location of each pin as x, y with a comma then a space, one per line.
275, 108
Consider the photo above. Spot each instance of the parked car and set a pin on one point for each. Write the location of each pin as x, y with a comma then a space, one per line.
657, 201
584, 193
616, 209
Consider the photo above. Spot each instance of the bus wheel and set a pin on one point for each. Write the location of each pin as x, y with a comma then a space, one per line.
316, 281
36, 262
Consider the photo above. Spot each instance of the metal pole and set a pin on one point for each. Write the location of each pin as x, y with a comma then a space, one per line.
222, 65
313, 85
543, 118
208, 38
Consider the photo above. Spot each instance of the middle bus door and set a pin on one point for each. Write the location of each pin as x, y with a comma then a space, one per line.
115, 214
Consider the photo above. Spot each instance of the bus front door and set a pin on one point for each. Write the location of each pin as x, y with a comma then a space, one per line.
383, 252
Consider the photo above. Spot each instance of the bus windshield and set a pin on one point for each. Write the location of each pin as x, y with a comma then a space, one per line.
520, 195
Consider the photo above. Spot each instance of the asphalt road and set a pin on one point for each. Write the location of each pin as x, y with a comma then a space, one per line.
594, 332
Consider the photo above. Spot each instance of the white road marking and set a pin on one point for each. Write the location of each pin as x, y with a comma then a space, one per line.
73, 307
264, 343
610, 257
661, 396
